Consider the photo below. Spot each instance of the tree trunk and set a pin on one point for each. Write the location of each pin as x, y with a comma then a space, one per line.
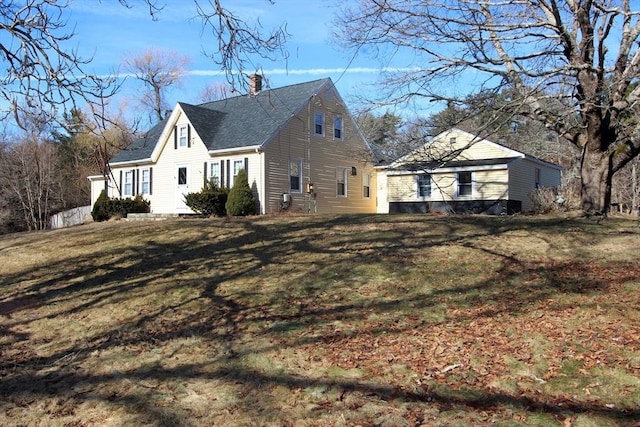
596, 173
634, 189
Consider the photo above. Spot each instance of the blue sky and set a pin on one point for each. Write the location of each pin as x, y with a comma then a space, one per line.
110, 32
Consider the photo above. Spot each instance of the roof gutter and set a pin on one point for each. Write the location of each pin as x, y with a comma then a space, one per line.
131, 162
251, 148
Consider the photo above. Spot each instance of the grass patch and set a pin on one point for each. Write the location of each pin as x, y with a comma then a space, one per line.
326, 320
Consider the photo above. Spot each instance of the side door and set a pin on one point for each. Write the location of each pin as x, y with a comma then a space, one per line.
182, 187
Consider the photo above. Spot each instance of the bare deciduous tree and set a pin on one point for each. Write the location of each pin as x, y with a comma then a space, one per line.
28, 173
236, 41
39, 71
570, 65
159, 70
215, 91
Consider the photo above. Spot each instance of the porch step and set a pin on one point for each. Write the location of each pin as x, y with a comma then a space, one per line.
149, 216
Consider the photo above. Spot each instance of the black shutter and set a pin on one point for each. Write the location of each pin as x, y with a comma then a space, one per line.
229, 183
175, 137
204, 173
121, 189
150, 180
222, 173
246, 166
137, 182
188, 136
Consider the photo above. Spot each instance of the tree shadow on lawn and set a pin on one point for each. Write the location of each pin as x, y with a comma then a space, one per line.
209, 258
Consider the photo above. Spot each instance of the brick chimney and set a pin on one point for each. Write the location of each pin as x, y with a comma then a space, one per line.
255, 84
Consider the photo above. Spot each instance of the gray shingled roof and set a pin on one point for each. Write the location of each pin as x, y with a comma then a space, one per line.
141, 148
241, 121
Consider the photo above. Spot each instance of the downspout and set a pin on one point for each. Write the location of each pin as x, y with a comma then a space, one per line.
263, 184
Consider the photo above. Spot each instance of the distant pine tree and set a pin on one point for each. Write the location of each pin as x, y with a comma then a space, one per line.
241, 200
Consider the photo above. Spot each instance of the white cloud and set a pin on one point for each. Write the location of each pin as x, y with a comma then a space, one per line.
311, 71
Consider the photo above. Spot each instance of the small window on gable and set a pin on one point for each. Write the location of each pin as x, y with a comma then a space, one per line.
337, 127
214, 176
452, 140
319, 123
424, 185
366, 185
128, 183
465, 184
183, 136
295, 175
341, 182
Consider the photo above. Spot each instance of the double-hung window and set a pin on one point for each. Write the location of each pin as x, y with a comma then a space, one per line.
214, 175
318, 123
295, 176
366, 185
145, 182
465, 184
337, 127
183, 135
128, 183
238, 165
341, 182
424, 185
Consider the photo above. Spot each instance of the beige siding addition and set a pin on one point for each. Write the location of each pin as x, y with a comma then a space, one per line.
320, 155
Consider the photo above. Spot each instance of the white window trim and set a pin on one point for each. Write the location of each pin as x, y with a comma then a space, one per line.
430, 186
345, 181
128, 183
315, 114
366, 176
234, 171
183, 143
300, 175
143, 182
341, 128
473, 187
211, 174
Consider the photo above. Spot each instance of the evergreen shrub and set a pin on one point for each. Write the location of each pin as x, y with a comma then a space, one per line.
105, 208
241, 200
209, 201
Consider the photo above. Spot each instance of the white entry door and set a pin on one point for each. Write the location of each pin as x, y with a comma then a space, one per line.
182, 187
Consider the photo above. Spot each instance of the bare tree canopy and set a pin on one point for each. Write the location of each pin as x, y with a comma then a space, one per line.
235, 41
573, 65
41, 71
159, 70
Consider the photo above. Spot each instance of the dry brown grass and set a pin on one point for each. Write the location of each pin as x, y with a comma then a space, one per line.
312, 320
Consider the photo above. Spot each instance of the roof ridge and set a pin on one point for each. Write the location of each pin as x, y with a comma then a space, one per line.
311, 82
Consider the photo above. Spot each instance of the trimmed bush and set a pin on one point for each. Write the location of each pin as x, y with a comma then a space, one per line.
241, 201
101, 208
209, 201
105, 208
